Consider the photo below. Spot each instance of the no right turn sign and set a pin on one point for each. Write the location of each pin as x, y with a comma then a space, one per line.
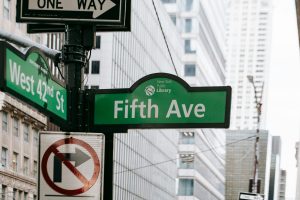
70, 166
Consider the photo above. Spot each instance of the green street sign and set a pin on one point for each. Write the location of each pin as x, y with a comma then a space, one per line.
28, 78
160, 101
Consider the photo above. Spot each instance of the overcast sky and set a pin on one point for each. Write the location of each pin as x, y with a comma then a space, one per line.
283, 106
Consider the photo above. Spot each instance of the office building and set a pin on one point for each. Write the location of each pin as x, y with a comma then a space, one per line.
20, 124
145, 165
248, 53
201, 152
240, 162
282, 186
19, 148
275, 171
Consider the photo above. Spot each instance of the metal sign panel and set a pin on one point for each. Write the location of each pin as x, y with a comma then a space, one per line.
27, 76
101, 12
71, 165
250, 196
160, 101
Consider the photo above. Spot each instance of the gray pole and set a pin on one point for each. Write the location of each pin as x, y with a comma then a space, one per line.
21, 41
258, 103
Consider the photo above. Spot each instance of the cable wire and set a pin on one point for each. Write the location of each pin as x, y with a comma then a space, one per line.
171, 160
164, 37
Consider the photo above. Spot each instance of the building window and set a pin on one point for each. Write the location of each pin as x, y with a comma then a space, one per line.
25, 166
187, 138
95, 67
188, 5
6, 9
186, 161
188, 47
35, 169
4, 155
190, 70
20, 194
16, 127
188, 25
98, 42
15, 191
26, 132
186, 187
35, 137
3, 192
15, 162
4, 121
173, 18
25, 195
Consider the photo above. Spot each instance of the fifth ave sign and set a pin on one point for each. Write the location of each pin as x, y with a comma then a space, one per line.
99, 12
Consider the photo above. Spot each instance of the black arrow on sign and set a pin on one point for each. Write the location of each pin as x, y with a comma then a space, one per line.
79, 157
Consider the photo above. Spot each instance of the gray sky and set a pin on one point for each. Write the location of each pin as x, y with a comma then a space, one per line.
283, 106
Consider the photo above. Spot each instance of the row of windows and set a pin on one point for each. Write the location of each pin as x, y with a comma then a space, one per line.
15, 163
15, 195
16, 128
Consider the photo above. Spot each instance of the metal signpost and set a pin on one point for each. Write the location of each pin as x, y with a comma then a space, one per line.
27, 76
159, 101
250, 196
71, 165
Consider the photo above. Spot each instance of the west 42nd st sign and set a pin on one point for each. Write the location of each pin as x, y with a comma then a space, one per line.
28, 78
160, 101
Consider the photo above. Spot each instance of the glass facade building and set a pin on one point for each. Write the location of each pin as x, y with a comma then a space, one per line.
202, 25
145, 161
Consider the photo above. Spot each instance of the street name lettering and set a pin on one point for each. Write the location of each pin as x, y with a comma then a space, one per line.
98, 7
161, 101
28, 78
27, 83
126, 109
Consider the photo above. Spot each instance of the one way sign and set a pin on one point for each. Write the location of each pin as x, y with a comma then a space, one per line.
250, 196
99, 12
70, 166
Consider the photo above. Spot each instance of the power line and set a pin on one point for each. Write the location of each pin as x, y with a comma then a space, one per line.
164, 37
210, 149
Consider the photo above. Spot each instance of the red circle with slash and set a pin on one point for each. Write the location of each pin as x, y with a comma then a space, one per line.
87, 183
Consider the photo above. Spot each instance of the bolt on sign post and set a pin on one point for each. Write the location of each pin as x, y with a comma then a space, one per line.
71, 165
160, 101
27, 76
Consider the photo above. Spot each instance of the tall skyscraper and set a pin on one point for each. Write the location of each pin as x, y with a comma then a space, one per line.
248, 53
275, 171
282, 186
240, 162
201, 152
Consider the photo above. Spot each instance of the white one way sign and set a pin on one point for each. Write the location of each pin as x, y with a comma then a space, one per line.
98, 7
250, 196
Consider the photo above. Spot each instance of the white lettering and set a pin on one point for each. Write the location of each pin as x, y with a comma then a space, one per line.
199, 110
173, 109
117, 108
187, 112
150, 107
14, 72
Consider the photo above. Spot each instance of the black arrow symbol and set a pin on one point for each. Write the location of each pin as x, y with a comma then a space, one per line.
79, 157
